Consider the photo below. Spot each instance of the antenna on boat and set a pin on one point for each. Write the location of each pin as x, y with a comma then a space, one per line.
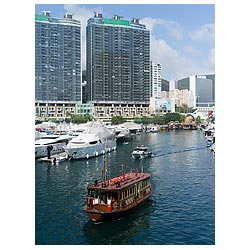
142, 168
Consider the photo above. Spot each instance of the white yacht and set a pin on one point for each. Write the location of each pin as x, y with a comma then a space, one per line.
141, 152
94, 141
121, 133
51, 144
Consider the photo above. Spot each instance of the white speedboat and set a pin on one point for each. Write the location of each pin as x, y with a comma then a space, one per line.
50, 145
141, 152
153, 129
96, 140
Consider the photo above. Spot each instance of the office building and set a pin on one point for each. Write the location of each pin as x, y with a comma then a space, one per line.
118, 62
57, 59
202, 88
183, 83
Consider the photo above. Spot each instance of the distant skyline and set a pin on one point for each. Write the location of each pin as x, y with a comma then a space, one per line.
182, 35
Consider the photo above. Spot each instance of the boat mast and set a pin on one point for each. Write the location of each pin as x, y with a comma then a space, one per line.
104, 166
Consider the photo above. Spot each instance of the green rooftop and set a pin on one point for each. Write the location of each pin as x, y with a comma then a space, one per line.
116, 22
41, 17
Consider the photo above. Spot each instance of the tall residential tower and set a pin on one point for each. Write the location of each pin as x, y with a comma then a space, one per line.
57, 58
118, 60
155, 80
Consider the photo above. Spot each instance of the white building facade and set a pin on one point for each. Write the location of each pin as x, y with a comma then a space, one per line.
155, 80
172, 84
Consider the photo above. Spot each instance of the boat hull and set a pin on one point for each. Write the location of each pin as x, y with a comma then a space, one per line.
90, 151
140, 155
42, 151
98, 216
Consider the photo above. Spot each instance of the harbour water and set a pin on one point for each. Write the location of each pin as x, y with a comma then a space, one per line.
180, 212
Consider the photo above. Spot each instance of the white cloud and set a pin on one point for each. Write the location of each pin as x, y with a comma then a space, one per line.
204, 33
174, 64
173, 28
192, 51
210, 63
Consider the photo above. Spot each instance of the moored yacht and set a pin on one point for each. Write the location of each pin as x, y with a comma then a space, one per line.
94, 141
51, 144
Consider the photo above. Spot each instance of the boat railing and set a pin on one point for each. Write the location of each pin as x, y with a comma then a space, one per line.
118, 179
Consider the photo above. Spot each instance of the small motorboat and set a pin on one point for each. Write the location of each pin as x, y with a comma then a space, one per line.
141, 152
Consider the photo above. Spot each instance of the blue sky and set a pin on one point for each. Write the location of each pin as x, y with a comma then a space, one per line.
182, 35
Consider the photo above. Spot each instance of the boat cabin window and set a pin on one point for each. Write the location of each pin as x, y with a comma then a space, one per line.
93, 142
79, 142
102, 197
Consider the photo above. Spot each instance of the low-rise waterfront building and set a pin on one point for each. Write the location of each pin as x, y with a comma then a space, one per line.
106, 110
161, 106
54, 109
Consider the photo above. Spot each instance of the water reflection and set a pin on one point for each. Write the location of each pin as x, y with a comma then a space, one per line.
117, 232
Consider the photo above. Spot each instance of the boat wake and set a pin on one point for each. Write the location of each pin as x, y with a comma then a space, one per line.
179, 151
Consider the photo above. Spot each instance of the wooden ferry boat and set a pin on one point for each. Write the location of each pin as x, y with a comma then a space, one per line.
117, 197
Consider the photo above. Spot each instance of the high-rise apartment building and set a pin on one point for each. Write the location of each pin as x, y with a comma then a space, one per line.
118, 60
155, 80
57, 58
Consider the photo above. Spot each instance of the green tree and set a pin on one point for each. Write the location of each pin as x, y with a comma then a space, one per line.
117, 120
198, 120
146, 120
80, 118
137, 120
159, 119
173, 117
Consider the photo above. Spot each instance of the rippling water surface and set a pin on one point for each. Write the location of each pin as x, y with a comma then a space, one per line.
181, 210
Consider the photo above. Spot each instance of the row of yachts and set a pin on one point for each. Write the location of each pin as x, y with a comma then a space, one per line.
209, 133
82, 141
